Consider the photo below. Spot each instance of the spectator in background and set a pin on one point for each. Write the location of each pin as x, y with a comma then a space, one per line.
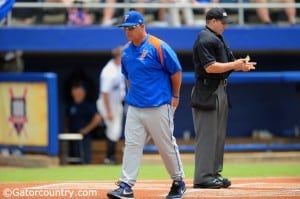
161, 12
82, 117
264, 15
108, 14
160, 16
176, 16
110, 100
205, 2
187, 13
24, 16
79, 75
79, 16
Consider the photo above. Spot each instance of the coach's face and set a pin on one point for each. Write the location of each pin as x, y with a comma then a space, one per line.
135, 34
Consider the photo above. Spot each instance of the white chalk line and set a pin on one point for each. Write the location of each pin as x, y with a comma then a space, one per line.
257, 189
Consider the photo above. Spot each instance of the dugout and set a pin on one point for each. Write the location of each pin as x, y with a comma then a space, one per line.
264, 105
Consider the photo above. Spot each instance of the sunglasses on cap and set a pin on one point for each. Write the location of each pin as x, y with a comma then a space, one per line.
131, 28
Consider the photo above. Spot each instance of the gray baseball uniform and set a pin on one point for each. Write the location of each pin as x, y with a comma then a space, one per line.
155, 122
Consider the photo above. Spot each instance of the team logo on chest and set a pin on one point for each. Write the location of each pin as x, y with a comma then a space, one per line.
143, 55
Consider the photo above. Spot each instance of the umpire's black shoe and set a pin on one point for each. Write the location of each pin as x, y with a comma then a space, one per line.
211, 183
225, 181
177, 190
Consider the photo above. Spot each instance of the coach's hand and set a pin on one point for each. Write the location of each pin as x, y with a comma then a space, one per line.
175, 102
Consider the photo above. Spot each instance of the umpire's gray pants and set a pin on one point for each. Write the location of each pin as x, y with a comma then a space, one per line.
210, 128
158, 123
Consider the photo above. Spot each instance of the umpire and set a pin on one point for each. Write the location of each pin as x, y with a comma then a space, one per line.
213, 62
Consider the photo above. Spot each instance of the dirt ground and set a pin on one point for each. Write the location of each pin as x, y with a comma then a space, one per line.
242, 188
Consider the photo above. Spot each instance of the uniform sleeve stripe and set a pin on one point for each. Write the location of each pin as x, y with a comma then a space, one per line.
156, 43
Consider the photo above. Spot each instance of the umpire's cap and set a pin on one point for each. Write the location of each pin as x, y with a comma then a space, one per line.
132, 18
219, 14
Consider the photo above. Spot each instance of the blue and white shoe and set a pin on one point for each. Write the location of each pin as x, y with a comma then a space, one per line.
123, 192
177, 190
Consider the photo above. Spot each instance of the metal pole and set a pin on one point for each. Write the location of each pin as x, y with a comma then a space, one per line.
241, 13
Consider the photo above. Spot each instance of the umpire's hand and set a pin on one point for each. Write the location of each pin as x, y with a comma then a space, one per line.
244, 65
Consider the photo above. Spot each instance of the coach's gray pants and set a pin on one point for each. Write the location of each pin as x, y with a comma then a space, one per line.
140, 124
210, 128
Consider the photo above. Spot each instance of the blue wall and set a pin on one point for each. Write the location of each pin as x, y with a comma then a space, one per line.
95, 38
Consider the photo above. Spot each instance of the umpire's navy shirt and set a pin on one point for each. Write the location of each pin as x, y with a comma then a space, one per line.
208, 49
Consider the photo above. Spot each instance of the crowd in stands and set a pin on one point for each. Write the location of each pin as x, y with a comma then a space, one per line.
264, 13
185, 16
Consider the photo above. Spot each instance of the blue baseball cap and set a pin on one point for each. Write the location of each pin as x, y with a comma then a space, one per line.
132, 18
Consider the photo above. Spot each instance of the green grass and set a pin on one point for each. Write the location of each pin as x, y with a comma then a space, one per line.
102, 172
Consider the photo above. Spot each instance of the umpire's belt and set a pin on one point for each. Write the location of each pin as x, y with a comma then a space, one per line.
206, 81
